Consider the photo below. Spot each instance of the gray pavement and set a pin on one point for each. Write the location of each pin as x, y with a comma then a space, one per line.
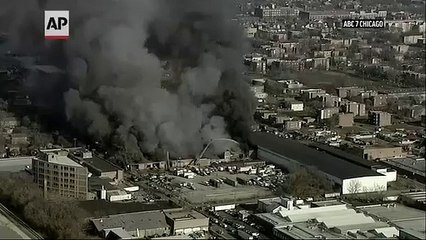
14, 164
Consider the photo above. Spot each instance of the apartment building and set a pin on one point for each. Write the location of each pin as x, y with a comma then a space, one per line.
379, 118
56, 173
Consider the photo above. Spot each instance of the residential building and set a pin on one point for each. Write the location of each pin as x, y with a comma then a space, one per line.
381, 100
295, 106
345, 92
358, 109
321, 15
327, 113
368, 94
379, 118
414, 111
281, 119
318, 63
369, 15
186, 222
291, 84
346, 119
55, 172
330, 100
313, 93
412, 39
292, 125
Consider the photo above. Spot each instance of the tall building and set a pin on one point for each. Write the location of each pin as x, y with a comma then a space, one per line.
379, 118
56, 173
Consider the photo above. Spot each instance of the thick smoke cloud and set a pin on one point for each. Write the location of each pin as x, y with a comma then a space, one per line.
119, 53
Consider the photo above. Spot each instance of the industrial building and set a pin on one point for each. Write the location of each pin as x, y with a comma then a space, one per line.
150, 224
323, 220
133, 225
290, 154
98, 166
379, 152
55, 172
186, 222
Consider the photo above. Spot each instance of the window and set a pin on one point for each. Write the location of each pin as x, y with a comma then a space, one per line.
72, 169
72, 181
72, 175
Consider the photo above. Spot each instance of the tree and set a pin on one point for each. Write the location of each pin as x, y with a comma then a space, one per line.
354, 186
306, 183
55, 218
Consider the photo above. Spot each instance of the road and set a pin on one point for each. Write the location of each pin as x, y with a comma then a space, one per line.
15, 164
17, 225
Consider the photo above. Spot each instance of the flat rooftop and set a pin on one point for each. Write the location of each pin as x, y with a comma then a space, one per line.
101, 164
132, 221
184, 215
401, 216
409, 164
297, 151
99, 208
64, 160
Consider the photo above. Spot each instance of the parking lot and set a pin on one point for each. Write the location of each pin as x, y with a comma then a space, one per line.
197, 190
228, 223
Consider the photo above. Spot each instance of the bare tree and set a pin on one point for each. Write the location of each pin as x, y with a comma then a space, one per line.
355, 186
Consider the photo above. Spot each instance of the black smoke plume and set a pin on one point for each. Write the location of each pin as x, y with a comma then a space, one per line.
149, 73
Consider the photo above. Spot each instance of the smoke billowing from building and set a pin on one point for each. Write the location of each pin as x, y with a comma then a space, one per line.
119, 52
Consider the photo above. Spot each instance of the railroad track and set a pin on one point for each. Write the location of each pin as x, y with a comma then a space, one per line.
23, 226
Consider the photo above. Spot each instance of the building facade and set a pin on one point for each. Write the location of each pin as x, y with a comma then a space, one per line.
379, 118
186, 222
56, 173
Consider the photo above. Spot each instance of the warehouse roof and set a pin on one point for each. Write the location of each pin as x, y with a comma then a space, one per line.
101, 164
308, 156
132, 221
342, 154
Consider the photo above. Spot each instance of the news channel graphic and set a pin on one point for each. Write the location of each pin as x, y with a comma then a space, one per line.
56, 25
363, 23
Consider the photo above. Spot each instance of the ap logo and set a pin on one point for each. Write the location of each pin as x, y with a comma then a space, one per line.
56, 24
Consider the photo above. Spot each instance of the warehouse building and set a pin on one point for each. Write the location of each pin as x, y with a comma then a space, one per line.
331, 220
291, 155
137, 225
186, 222
98, 166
